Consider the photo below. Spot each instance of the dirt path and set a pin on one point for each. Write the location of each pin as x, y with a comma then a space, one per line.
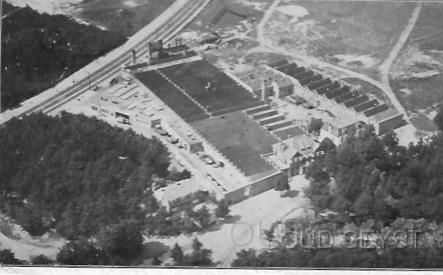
261, 26
386, 66
266, 45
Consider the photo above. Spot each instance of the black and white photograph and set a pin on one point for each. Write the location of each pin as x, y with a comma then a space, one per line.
221, 135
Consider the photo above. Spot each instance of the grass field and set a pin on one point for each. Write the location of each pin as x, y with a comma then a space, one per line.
211, 87
358, 35
169, 94
240, 139
422, 53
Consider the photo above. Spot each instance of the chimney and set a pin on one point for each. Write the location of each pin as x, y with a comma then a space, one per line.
149, 52
263, 90
134, 57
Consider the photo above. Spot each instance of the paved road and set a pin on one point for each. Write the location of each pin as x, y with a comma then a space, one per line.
175, 18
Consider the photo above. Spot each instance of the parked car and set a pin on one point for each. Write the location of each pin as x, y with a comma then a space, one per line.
207, 159
160, 130
219, 164
172, 140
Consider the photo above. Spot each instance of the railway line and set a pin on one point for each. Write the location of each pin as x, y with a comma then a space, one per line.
165, 32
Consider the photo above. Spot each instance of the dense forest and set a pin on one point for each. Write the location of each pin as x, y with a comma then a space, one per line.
374, 185
77, 175
341, 257
372, 177
40, 50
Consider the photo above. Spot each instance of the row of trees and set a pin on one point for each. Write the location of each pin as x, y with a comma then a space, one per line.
121, 245
39, 50
341, 257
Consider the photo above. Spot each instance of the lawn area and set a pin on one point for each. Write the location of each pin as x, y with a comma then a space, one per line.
210, 86
240, 139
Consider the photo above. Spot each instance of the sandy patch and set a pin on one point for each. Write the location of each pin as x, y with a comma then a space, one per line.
25, 246
47, 6
130, 3
190, 35
349, 60
416, 64
406, 135
294, 11
405, 92
257, 5
432, 114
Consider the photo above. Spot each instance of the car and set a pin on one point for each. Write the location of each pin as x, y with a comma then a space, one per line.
172, 140
207, 159
160, 130
219, 164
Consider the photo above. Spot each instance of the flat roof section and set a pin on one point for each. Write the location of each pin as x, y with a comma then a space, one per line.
209, 86
240, 139
391, 112
278, 63
288, 132
171, 96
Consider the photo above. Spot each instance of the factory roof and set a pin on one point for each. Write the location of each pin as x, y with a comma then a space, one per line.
255, 77
178, 190
389, 113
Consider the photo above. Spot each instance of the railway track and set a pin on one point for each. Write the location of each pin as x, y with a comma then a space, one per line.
165, 32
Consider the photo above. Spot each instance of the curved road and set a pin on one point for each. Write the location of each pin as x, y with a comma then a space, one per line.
384, 68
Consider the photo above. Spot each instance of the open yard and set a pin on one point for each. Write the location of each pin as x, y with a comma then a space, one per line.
244, 229
416, 76
240, 139
211, 87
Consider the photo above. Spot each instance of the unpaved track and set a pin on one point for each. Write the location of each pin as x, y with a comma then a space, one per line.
266, 45
387, 64
261, 26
